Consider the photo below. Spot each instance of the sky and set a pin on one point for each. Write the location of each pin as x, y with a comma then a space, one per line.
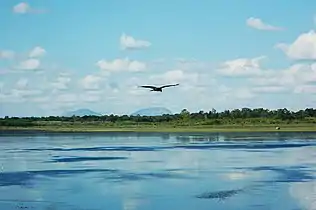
59, 55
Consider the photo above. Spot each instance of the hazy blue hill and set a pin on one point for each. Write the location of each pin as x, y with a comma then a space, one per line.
152, 111
80, 113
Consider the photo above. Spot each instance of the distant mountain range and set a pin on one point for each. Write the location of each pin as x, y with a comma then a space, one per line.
80, 113
153, 111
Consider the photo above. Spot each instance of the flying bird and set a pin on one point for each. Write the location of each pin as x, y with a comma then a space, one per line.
158, 89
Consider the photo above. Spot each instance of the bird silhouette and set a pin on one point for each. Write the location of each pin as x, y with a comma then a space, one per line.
158, 89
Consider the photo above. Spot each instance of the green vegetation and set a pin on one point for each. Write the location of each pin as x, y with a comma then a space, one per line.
244, 119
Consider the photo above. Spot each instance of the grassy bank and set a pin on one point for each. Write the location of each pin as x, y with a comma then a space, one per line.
144, 128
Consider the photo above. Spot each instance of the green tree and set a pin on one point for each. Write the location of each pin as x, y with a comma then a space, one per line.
185, 115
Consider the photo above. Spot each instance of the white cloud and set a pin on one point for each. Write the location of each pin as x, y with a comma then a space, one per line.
192, 64
289, 78
128, 42
42, 99
37, 52
64, 74
269, 89
21, 8
304, 47
10, 98
91, 82
227, 94
70, 99
22, 83
90, 96
19, 93
25, 92
59, 102
295, 78
24, 89
305, 89
29, 64
62, 82
24, 8
194, 86
241, 67
66, 98
6, 54
175, 76
242, 93
2, 91
201, 90
136, 97
260, 25
121, 65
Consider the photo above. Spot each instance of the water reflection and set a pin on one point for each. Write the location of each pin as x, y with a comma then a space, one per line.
158, 171
287, 174
305, 193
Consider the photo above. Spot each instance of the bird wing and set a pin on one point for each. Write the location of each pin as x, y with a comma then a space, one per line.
168, 86
147, 86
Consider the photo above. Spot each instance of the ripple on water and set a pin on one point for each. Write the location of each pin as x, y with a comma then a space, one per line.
197, 146
26, 178
81, 159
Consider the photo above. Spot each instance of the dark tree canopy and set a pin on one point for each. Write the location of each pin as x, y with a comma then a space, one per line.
239, 116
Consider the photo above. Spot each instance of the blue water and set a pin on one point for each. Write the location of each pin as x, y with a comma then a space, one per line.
148, 171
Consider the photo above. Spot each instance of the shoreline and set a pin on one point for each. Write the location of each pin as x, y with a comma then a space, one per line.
219, 129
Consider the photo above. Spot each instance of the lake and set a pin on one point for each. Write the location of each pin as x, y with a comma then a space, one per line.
157, 171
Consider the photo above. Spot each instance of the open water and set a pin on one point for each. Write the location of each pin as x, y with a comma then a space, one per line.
155, 171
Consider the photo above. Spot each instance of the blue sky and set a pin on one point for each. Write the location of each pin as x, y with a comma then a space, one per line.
64, 55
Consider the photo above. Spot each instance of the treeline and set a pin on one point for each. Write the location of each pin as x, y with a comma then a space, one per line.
236, 116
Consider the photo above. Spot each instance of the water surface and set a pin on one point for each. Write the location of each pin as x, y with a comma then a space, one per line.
129, 171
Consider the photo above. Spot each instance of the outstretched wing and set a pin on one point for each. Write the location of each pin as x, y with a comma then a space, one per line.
147, 86
168, 85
